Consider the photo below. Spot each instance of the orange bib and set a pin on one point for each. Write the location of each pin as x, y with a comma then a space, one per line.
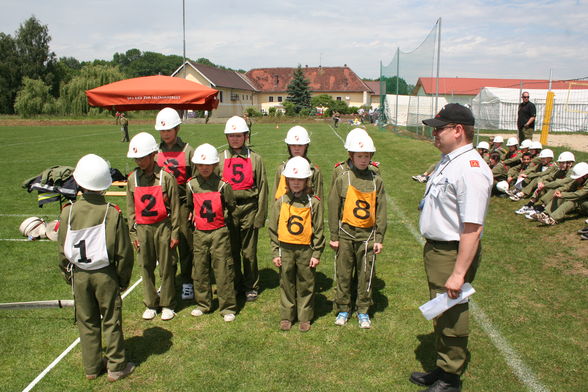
295, 225
281, 189
359, 209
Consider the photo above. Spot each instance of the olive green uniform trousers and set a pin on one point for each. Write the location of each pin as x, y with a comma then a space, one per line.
96, 294
212, 248
244, 247
452, 327
185, 245
296, 283
154, 240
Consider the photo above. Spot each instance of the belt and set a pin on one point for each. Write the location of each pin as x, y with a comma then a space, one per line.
435, 242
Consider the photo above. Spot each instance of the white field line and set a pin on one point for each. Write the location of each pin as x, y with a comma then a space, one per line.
22, 239
67, 350
56, 139
31, 214
513, 360
337, 134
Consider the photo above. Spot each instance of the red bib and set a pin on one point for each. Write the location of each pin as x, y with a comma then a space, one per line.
174, 162
149, 204
239, 173
208, 211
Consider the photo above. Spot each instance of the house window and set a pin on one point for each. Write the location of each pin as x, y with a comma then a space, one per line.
338, 98
271, 98
279, 99
221, 96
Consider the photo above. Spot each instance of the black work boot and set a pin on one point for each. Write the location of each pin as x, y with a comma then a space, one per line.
447, 382
426, 379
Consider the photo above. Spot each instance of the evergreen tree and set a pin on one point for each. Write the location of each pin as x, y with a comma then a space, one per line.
299, 91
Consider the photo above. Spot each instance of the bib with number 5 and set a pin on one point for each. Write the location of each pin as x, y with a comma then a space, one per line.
238, 172
86, 248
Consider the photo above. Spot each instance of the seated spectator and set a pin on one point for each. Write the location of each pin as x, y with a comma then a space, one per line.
482, 149
497, 146
499, 172
565, 161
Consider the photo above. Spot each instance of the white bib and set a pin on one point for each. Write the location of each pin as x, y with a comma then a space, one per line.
86, 248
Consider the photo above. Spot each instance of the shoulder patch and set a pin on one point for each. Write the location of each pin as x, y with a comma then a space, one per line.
375, 163
339, 164
316, 197
66, 204
474, 163
316, 167
116, 207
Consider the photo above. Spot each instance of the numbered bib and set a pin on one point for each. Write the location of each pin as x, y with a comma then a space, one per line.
282, 188
239, 173
359, 209
86, 248
174, 163
295, 225
208, 211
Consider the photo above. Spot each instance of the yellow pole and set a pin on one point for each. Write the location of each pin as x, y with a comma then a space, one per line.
547, 117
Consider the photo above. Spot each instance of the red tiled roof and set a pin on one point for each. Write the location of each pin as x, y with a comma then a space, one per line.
321, 79
472, 86
374, 86
224, 77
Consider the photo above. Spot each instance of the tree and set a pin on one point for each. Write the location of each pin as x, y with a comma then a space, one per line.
323, 100
34, 98
10, 76
299, 90
403, 87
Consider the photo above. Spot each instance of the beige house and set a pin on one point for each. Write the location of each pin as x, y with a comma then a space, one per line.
236, 92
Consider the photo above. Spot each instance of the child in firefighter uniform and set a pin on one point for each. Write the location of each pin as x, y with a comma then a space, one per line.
175, 157
244, 170
297, 241
357, 222
211, 203
96, 258
298, 143
153, 207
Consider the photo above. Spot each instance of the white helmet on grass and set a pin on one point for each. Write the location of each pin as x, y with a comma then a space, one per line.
297, 135
167, 118
141, 145
205, 154
502, 186
92, 173
297, 167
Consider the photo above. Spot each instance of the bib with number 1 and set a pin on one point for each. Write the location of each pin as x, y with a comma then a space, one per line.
238, 172
359, 209
295, 225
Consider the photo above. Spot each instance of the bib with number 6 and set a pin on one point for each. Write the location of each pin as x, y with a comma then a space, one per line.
86, 248
149, 204
295, 225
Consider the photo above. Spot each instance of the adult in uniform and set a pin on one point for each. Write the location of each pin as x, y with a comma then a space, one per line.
452, 217
124, 127
526, 117
244, 170
175, 157
96, 258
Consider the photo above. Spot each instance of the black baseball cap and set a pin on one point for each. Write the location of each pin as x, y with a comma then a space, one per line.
452, 113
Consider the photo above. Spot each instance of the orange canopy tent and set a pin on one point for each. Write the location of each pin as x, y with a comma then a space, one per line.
152, 93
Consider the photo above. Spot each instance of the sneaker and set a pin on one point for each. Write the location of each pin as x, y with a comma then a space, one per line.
364, 320
115, 376
342, 318
229, 317
251, 296
285, 325
149, 314
583, 231
550, 221
584, 237
187, 291
196, 312
515, 197
167, 314
304, 326
523, 210
538, 216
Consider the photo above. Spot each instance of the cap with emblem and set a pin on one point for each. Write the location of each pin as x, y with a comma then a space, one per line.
452, 113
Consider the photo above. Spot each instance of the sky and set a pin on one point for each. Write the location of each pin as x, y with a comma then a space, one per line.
486, 39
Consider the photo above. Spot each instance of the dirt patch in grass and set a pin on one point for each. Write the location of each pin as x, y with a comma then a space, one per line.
562, 262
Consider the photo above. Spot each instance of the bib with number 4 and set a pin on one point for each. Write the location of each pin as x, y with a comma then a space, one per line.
238, 172
295, 225
359, 209
208, 211
149, 203
86, 248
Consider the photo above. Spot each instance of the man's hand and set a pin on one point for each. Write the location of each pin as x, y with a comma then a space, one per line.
557, 194
453, 285
334, 245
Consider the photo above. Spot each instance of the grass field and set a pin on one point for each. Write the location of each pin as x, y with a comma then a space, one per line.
529, 330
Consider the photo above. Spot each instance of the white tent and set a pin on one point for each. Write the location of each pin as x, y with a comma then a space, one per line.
411, 109
496, 108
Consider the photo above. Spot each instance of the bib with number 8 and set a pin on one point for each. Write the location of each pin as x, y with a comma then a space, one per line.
359, 209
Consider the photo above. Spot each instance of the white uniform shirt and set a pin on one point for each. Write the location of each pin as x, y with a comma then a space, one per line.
457, 192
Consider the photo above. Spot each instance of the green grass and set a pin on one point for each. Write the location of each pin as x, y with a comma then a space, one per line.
532, 285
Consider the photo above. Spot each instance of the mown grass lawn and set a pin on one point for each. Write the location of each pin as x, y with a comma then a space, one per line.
531, 285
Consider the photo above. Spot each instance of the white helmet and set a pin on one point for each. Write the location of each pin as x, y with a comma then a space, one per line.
498, 139
297, 135
483, 145
92, 173
205, 154
580, 170
353, 133
33, 227
361, 144
526, 143
236, 124
502, 186
297, 167
536, 146
566, 156
51, 230
512, 141
141, 145
547, 153
167, 118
